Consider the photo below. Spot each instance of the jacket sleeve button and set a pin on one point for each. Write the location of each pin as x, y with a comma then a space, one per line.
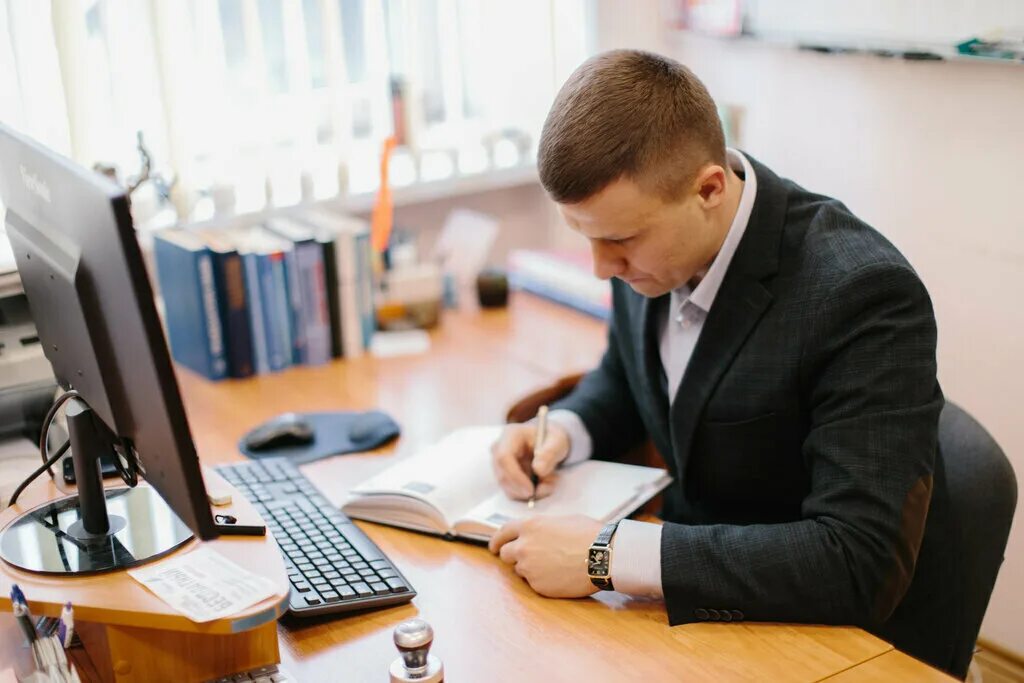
736, 615
701, 614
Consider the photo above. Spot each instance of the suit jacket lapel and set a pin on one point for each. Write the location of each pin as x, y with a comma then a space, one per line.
741, 300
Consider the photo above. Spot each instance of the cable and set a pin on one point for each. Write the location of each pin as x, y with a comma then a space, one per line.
50, 414
128, 470
42, 468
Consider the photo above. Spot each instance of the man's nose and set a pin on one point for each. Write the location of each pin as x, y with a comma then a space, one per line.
607, 264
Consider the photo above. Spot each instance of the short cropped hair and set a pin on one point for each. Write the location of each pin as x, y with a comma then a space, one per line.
632, 114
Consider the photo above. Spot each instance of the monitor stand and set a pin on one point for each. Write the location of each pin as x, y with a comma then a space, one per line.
97, 529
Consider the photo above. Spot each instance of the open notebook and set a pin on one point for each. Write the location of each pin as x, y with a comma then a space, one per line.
450, 489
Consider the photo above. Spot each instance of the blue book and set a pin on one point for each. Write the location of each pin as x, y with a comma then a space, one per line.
257, 325
187, 282
270, 313
308, 278
563, 276
232, 302
276, 309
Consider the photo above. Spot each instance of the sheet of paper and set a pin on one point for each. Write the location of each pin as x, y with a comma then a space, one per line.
203, 584
464, 244
403, 343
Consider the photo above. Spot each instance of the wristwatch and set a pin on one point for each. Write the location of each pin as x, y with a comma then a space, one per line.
599, 559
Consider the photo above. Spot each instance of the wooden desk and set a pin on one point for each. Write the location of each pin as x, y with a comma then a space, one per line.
489, 624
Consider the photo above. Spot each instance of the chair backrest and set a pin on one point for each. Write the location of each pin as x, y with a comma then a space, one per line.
983, 497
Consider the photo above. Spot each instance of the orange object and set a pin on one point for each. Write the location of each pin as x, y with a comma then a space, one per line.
383, 210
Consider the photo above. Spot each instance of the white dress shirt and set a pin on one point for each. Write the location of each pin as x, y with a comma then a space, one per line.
636, 546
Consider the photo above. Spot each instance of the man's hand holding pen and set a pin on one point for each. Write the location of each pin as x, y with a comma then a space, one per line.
549, 552
519, 459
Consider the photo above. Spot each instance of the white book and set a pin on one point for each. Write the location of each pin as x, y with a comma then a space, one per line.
449, 489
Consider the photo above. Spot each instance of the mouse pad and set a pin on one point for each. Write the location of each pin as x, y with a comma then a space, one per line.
334, 436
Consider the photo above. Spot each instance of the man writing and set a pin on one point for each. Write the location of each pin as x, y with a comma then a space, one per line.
779, 353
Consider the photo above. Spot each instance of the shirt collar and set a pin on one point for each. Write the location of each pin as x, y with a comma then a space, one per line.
704, 294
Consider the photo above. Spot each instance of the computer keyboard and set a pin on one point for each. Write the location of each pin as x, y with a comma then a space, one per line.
272, 673
332, 565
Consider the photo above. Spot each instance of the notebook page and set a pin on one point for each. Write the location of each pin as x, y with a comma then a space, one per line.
598, 489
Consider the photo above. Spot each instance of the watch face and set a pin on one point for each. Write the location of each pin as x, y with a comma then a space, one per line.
597, 562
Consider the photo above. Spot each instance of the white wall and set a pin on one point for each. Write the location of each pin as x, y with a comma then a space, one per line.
928, 153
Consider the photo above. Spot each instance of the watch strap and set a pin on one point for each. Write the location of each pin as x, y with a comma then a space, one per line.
604, 537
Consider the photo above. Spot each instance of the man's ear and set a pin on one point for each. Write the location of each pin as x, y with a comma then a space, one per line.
710, 184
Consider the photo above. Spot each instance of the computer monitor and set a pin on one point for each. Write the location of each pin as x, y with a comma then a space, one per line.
92, 303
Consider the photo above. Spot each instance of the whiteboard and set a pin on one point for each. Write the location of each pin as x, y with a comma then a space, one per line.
882, 22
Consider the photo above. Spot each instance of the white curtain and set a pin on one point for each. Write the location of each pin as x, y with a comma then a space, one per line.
253, 102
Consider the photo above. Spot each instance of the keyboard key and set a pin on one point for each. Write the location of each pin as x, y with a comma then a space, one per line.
380, 588
303, 587
362, 589
311, 600
380, 564
397, 585
345, 591
330, 596
386, 573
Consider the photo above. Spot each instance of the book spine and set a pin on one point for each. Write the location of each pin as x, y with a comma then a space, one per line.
351, 322
275, 310
364, 284
331, 283
318, 326
297, 308
190, 308
257, 321
214, 331
233, 306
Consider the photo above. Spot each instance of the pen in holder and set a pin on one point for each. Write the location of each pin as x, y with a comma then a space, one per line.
51, 662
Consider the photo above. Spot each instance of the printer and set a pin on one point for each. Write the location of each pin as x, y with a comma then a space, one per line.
27, 384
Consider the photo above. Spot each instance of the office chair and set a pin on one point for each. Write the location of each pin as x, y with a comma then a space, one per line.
940, 615
983, 496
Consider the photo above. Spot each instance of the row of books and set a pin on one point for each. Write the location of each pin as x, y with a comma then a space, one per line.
296, 290
563, 276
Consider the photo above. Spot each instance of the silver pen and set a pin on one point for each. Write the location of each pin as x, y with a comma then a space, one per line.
542, 432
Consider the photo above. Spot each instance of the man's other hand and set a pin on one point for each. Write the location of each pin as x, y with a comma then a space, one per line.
513, 459
550, 553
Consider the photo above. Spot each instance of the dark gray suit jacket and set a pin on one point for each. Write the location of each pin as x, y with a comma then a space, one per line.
803, 435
